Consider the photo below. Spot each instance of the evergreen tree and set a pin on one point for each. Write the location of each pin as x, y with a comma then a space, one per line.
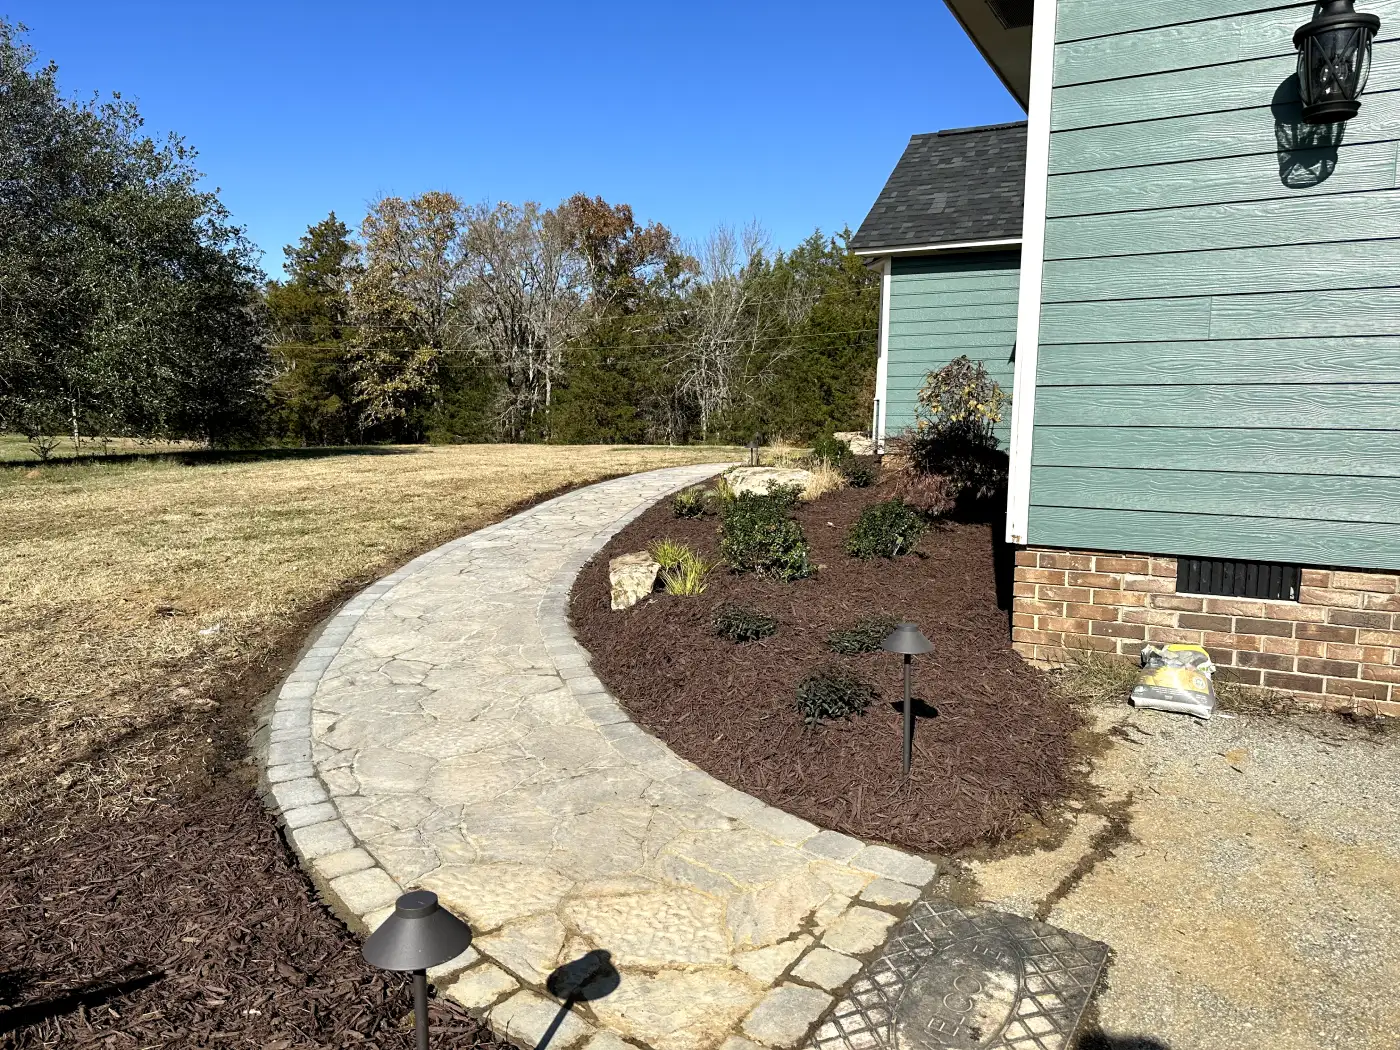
312, 395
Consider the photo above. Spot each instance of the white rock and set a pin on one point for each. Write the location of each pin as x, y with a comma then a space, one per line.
633, 577
760, 480
858, 443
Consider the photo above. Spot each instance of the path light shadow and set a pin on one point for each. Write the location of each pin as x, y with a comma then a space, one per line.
587, 978
94, 993
922, 709
1307, 153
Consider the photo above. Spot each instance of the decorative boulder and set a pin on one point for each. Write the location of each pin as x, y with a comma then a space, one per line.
633, 577
759, 480
859, 444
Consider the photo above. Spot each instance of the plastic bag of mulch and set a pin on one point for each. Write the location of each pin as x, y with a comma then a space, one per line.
1176, 678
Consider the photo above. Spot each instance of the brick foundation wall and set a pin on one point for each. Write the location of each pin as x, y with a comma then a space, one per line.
1339, 647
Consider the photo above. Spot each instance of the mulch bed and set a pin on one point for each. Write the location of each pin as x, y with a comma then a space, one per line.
992, 743
189, 924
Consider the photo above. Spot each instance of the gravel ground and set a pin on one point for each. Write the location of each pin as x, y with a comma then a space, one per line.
1246, 873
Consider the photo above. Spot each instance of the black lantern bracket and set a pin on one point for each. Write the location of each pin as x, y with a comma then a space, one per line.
1334, 60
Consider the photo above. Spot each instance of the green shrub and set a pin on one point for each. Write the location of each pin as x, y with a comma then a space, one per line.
832, 692
740, 624
756, 535
885, 530
859, 474
827, 449
863, 636
689, 503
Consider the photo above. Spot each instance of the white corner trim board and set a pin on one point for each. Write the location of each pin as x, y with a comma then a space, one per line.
1018, 504
931, 249
882, 373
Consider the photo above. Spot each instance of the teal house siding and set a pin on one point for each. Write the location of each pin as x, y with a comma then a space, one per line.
948, 306
1219, 360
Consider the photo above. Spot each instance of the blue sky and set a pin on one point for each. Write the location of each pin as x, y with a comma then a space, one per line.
791, 113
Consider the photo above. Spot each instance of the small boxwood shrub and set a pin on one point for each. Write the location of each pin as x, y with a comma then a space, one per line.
756, 535
689, 503
859, 474
885, 530
832, 692
741, 624
863, 636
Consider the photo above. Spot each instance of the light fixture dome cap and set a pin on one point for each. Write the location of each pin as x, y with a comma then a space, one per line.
418, 935
907, 639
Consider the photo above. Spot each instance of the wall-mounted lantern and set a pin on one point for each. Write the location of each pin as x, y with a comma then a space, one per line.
1334, 60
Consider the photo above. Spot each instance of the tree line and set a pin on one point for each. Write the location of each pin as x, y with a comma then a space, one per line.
133, 305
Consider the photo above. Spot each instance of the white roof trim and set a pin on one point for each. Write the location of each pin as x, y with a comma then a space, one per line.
928, 249
1018, 503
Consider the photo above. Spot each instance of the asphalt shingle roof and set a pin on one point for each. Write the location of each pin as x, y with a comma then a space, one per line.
967, 184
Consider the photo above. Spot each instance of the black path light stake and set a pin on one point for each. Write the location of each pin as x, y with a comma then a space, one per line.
1334, 60
418, 935
907, 639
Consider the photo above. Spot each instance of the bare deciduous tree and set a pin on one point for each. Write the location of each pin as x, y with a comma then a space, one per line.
730, 322
524, 300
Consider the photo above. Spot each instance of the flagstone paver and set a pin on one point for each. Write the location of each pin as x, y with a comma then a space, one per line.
445, 731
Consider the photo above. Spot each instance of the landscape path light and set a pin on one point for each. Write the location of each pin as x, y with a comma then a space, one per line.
907, 640
421, 933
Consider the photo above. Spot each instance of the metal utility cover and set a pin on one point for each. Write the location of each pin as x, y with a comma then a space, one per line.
953, 978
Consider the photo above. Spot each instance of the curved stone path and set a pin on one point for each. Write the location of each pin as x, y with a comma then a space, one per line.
445, 732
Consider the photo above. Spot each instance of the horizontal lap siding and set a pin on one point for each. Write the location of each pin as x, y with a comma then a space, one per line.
1219, 365
944, 307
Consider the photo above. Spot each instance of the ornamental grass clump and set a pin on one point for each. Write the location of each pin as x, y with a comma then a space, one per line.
741, 624
757, 536
825, 479
886, 530
688, 577
832, 692
669, 553
863, 636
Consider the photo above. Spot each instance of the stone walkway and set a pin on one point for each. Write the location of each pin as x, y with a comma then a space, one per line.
445, 732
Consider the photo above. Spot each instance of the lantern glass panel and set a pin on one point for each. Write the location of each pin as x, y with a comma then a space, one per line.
1334, 65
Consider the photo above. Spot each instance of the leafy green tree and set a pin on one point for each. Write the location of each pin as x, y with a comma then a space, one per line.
404, 304
130, 297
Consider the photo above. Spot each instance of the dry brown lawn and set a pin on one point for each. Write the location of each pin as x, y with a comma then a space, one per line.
138, 598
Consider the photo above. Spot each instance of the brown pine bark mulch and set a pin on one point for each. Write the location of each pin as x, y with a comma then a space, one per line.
992, 742
189, 924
